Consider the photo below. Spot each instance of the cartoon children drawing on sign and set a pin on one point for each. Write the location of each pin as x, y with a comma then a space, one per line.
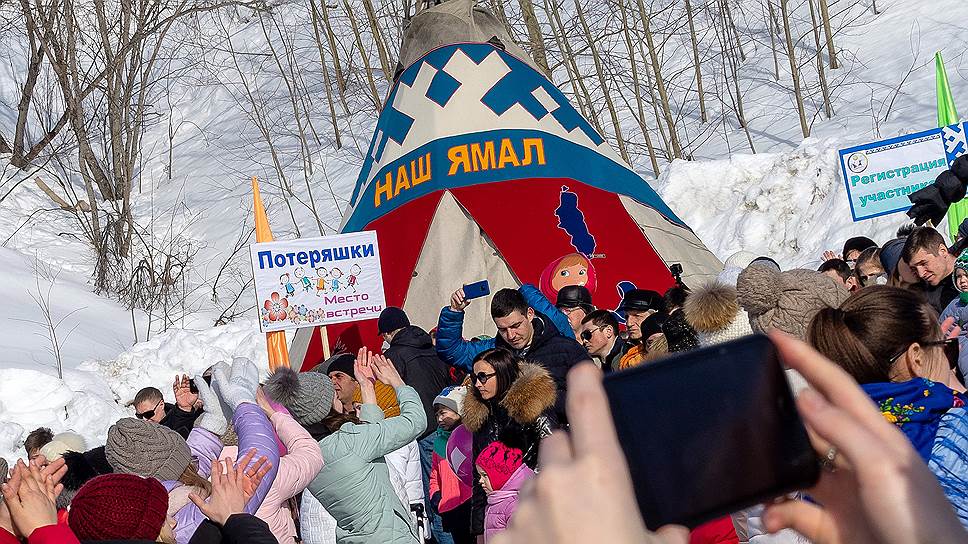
355, 272
307, 284
336, 274
321, 283
287, 284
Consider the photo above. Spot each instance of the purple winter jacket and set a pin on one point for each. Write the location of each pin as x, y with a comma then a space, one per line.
255, 431
502, 503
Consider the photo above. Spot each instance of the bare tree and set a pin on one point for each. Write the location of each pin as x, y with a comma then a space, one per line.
828, 33
695, 59
620, 141
794, 71
535, 36
660, 83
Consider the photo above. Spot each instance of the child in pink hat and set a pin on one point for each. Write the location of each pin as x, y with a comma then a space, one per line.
502, 472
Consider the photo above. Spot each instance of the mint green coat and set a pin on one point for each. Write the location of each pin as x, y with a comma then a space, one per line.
354, 485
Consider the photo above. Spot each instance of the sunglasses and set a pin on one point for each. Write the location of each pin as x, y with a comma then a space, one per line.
587, 335
150, 413
951, 351
482, 377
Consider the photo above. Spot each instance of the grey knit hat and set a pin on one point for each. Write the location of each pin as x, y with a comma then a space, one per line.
786, 300
146, 449
307, 395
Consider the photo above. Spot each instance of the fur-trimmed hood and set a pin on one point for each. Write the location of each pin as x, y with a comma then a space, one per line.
711, 307
531, 395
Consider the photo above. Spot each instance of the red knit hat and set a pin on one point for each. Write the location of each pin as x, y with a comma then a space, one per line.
499, 462
119, 507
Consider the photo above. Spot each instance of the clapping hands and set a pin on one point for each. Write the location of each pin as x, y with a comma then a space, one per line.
31, 494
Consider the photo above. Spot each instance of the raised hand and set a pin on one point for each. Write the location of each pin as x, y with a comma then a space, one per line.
362, 370
237, 385
827, 255
213, 418
384, 370
184, 398
252, 472
31, 496
458, 302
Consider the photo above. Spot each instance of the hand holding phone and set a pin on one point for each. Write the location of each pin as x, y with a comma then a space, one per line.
477, 290
710, 432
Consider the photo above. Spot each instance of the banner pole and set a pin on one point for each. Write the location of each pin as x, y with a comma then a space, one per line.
324, 336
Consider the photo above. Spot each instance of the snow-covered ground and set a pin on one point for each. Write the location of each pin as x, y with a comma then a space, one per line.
787, 200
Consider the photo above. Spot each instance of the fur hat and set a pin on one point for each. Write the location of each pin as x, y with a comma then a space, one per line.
307, 395
786, 300
146, 449
713, 311
81, 467
63, 443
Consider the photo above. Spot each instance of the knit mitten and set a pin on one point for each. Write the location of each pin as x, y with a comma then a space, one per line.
213, 418
238, 385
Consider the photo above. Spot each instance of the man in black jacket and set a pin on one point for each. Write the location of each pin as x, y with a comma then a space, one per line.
412, 353
927, 255
180, 417
531, 335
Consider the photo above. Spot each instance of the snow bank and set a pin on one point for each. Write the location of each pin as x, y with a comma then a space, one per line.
90, 399
791, 206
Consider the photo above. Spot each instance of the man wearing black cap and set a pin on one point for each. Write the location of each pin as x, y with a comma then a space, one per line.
412, 353
575, 301
637, 305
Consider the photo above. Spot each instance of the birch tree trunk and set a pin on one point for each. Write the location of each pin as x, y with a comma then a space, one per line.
620, 141
381, 47
824, 89
794, 72
695, 59
535, 36
828, 33
635, 84
367, 68
660, 83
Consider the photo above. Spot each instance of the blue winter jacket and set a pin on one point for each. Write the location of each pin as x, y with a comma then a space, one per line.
460, 353
959, 310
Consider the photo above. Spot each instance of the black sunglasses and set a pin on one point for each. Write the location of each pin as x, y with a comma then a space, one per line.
482, 377
587, 335
150, 413
951, 351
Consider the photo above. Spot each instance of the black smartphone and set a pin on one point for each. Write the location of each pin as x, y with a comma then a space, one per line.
477, 290
710, 432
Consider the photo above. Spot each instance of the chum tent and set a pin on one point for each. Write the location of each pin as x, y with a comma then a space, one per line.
480, 168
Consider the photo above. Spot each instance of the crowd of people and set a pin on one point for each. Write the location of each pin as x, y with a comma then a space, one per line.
507, 438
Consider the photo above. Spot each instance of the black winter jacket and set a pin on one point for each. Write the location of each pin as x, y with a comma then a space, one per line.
520, 420
179, 420
553, 351
412, 353
238, 529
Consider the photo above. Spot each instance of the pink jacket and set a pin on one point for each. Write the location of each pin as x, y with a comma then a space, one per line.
296, 469
444, 480
502, 503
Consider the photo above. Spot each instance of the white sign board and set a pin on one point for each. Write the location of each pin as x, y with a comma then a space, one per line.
881, 175
317, 281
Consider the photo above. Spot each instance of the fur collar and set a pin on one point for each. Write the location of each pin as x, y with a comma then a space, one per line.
711, 307
528, 397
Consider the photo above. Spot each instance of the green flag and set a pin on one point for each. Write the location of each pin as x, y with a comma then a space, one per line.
948, 115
